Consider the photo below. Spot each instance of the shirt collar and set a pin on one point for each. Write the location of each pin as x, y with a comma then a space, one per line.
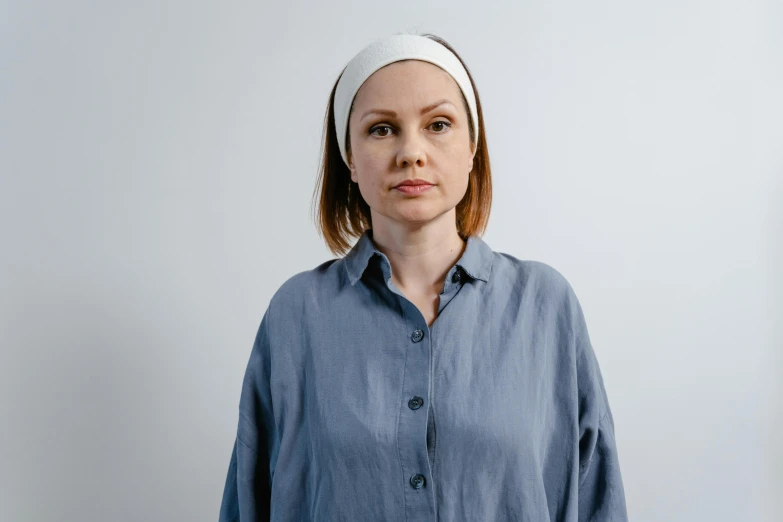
476, 260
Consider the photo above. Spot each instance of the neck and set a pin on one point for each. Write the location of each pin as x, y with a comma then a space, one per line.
421, 257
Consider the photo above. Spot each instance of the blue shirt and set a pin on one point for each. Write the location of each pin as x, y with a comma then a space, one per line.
353, 409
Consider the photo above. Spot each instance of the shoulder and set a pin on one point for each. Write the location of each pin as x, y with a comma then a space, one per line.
306, 285
543, 292
529, 275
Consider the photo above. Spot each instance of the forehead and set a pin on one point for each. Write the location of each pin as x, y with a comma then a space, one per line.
408, 81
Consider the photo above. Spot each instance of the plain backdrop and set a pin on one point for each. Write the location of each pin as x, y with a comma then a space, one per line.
157, 164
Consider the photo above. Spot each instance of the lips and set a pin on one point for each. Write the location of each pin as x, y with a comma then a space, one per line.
413, 183
413, 189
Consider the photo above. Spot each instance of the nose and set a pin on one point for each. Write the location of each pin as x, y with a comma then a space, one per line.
411, 151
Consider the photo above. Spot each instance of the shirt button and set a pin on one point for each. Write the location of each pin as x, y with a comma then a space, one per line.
417, 481
417, 335
415, 403
456, 277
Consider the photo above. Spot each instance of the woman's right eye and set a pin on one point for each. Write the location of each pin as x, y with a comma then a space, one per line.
372, 131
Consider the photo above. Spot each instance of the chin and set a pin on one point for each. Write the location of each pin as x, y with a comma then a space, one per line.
421, 215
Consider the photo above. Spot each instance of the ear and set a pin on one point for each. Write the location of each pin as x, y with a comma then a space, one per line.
472, 156
352, 168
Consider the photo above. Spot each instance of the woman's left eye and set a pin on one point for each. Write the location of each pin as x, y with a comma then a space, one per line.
447, 124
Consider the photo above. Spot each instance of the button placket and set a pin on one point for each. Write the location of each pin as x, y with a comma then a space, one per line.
418, 480
413, 448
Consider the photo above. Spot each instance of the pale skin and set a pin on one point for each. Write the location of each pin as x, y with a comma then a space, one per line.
418, 233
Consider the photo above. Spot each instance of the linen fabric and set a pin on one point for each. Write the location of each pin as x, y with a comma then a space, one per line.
353, 409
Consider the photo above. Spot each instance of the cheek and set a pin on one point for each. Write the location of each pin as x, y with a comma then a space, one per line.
459, 186
369, 183
458, 164
368, 171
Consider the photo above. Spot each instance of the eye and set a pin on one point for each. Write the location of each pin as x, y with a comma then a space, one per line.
439, 130
441, 122
372, 131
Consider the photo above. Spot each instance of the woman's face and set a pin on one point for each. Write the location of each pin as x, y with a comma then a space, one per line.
401, 143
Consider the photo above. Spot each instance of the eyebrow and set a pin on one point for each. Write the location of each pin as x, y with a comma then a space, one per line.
423, 111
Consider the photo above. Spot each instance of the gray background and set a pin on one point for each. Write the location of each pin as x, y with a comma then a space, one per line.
157, 161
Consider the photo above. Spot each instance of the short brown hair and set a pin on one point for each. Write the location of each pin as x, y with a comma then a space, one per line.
343, 213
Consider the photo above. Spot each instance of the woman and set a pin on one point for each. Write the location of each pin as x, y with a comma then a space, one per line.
422, 376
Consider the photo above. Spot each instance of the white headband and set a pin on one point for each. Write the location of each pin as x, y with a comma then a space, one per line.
391, 49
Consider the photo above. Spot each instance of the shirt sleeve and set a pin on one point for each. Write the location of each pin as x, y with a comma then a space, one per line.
247, 491
601, 493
